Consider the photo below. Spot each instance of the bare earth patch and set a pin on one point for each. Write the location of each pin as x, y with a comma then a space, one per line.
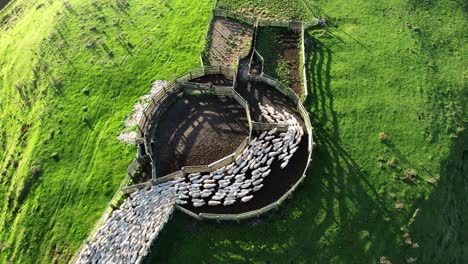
229, 39
198, 130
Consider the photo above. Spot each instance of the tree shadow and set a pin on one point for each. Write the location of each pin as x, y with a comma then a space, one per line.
336, 214
440, 227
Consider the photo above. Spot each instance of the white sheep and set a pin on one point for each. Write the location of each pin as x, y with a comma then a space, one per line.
247, 198
214, 203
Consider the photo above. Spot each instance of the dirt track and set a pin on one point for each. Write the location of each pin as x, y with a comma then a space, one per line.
198, 130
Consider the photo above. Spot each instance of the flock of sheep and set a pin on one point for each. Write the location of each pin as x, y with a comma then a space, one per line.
239, 180
127, 233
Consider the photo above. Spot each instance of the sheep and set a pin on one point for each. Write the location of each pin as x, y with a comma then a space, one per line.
272, 154
214, 203
268, 138
231, 170
209, 185
194, 176
242, 194
216, 198
287, 158
228, 167
181, 202
270, 161
257, 188
183, 192
197, 200
257, 176
198, 204
247, 198
209, 181
197, 181
273, 131
277, 147
246, 185
282, 156
218, 176
266, 173
194, 194
292, 151
229, 202
256, 172
205, 194
284, 164
206, 177
223, 184
182, 196
262, 135
239, 180
257, 182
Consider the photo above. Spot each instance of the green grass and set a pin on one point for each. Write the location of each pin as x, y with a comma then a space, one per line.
385, 66
49, 53
269, 46
270, 9
369, 73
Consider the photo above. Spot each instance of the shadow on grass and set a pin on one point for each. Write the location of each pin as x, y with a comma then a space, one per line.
336, 214
440, 227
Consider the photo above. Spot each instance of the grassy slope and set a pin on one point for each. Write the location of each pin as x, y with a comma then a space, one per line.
49, 54
269, 9
370, 74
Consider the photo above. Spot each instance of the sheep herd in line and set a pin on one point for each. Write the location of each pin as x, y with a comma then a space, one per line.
127, 233
240, 179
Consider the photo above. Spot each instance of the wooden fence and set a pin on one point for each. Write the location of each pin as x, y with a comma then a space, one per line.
259, 126
308, 126
166, 96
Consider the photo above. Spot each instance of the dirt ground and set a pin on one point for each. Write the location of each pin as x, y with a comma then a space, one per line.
198, 130
214, 79
274, 186
229, 39
290, 53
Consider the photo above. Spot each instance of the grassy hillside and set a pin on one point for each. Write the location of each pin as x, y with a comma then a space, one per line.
69, 74
396, 67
